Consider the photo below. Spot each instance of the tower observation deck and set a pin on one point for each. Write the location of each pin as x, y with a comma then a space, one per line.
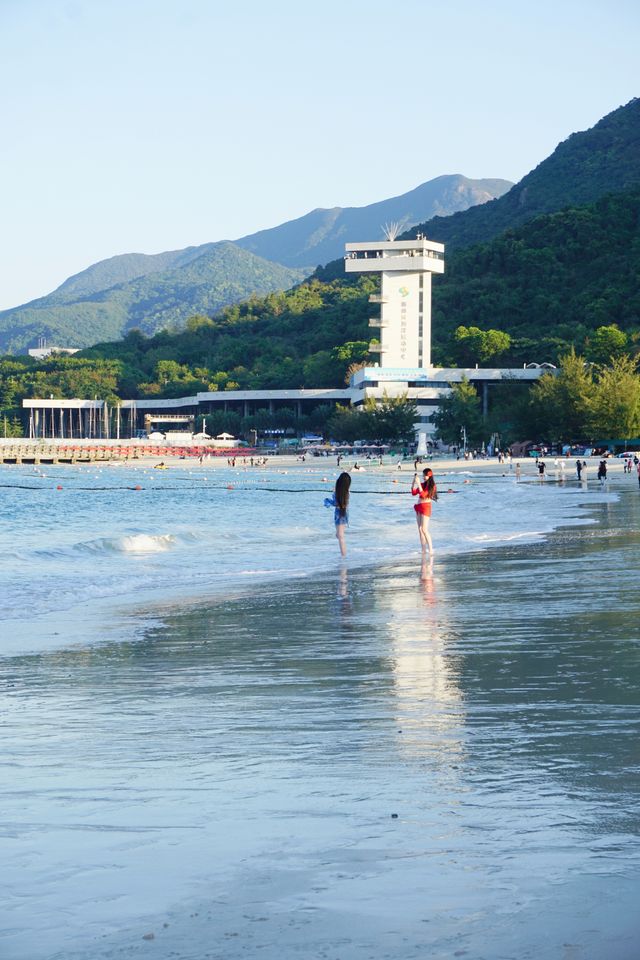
404, 321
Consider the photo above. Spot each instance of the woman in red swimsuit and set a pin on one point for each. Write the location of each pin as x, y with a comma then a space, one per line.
427, 492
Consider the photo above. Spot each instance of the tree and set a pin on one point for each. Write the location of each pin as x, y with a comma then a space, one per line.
461, 408
349, 424
606, 343
473, 345
616, 403
393, 418
562, 403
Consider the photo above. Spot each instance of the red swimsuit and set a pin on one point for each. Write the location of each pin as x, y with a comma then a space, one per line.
424, 504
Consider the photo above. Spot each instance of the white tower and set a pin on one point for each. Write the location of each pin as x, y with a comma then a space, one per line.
405, 296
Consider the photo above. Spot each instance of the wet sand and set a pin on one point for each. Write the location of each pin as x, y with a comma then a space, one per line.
380, 763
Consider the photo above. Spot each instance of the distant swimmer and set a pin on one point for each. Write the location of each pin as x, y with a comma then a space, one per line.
579, 469
340, 502
541, 468
518, 471
160, 466
427, 492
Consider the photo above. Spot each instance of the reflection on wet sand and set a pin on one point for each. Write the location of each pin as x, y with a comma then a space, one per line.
429, 700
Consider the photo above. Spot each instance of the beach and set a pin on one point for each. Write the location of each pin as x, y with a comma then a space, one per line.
278, 754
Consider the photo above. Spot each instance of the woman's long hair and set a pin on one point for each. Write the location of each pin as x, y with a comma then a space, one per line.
429, 484
342, 492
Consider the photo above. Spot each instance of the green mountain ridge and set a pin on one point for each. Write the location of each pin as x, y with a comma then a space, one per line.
550, 284
159, 290
219, 274
320, 235
121, 269
587, 165
584, 167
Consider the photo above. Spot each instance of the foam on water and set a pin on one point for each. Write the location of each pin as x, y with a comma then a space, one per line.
136, 543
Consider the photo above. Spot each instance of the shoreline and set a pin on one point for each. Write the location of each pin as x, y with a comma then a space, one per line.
359, 763
109, 618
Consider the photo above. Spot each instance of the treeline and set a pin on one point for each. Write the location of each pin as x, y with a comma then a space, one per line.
581, 402
549, 284
304, 337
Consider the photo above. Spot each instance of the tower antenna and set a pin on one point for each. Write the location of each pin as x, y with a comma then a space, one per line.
391, 230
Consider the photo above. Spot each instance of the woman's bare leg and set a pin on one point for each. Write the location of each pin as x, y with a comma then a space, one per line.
420, 534
425, 536
340, 537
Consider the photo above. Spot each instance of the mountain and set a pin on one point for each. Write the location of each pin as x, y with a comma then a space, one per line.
146, 292
586, 166
320, 236
153, 291
549, 283
121, 269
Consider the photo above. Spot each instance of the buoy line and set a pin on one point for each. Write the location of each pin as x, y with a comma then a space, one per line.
244, 489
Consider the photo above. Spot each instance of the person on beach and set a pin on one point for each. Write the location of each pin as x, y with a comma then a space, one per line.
427, 493
602, 472
340, 501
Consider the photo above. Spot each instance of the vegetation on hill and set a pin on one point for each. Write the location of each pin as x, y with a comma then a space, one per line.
583, 168
305, 337
571, 279
218, 275
550, 284
160, 291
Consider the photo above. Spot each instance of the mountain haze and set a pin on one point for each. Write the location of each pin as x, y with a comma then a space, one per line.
320, 236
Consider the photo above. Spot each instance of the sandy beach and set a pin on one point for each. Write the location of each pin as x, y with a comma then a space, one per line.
375, 761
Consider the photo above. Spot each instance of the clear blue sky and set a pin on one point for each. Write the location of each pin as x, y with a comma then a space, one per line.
149, 125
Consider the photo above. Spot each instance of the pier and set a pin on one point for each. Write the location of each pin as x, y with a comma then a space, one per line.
37, 452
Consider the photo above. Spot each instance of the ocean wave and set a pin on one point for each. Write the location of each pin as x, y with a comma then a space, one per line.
131, 543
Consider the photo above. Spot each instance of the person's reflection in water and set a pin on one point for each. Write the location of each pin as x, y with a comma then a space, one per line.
426, 579
344, 594
343, 581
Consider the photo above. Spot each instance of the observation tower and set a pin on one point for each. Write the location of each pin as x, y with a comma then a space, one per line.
405, 268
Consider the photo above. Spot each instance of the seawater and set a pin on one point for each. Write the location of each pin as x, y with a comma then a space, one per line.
358, 761
73, 536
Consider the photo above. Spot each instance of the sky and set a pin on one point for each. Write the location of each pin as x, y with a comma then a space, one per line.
150, 125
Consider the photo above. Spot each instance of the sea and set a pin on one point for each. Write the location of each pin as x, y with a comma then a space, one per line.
71, 537
219, 740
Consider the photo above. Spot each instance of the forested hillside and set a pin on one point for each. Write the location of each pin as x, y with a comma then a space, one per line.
586, 166
159, 291
203, 279
566, 279
549, 284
